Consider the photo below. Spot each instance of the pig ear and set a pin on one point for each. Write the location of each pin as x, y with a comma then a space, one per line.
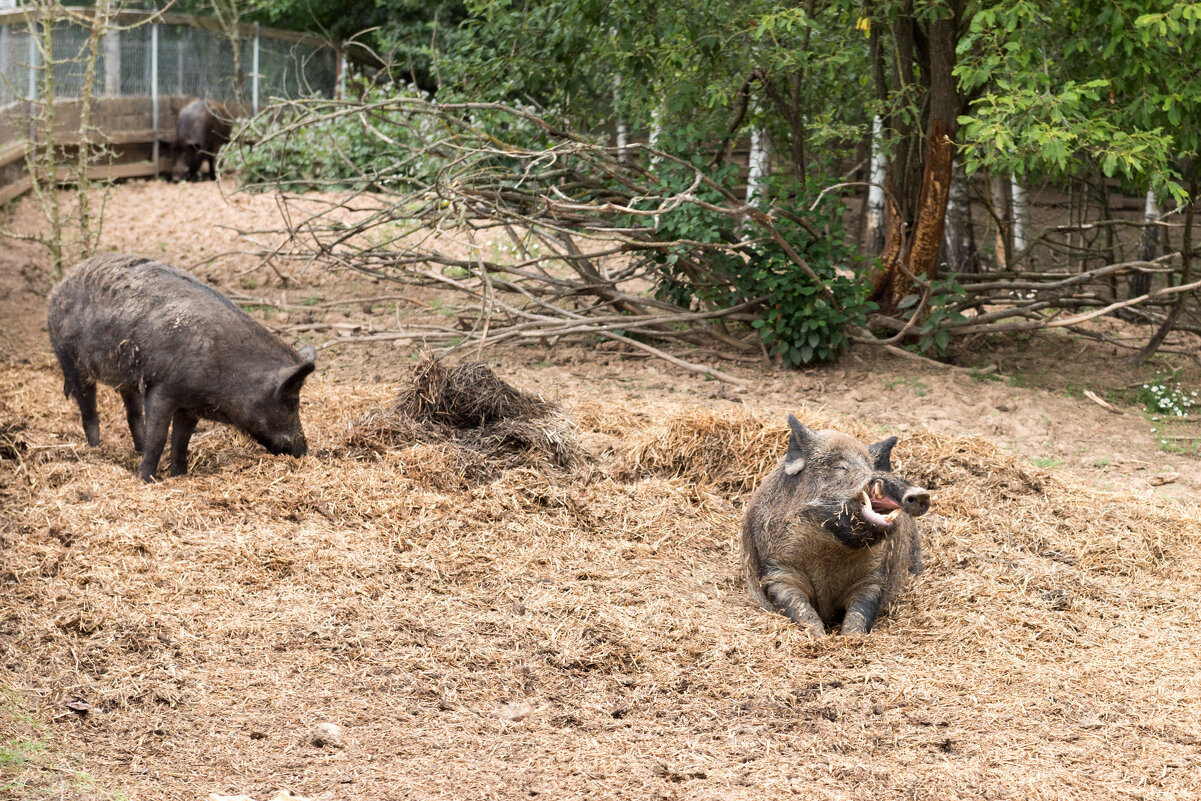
291, 379
800, 447
881, 454
308, 353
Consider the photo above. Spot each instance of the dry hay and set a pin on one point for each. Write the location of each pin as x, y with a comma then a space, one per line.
547, 634
12, 443
471, 417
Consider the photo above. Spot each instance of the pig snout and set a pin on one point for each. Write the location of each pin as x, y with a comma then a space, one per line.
285, 444
915, 501
293, 445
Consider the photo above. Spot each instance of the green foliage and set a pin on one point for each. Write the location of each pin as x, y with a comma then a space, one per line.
1104, 82
939, 310
332, 150
802, 321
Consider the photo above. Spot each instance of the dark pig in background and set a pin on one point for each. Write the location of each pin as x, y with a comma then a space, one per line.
177, 351
830, 532
202, 130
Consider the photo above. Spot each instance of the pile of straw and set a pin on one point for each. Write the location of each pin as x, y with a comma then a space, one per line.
492, 426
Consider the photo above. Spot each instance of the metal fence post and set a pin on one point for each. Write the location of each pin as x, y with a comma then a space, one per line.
112, 63
340, 89
254, 78
4, 45
33, 78
154, 94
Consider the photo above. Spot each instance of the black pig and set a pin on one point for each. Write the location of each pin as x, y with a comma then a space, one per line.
177, 351
202, 130
830, 532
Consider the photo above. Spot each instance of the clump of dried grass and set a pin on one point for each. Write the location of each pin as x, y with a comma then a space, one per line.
12, 443
730, 449
492, 425
12, 426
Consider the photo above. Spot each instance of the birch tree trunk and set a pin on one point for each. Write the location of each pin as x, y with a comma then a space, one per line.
875, 193
1148, 244
959, 240
623, 131
998, 188
760, 166
1020, 216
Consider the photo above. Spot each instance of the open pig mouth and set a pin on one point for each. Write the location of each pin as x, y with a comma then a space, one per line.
878, 509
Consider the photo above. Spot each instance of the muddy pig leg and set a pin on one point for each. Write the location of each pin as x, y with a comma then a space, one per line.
194, 160
159, 410
781, 586
86, 395
133, 415
182, 426
83, 390
862, 610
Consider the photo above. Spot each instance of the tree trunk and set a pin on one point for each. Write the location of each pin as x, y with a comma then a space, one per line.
998, 189
1148, 245
959, 241
1186, 263
919, 168
1020, 213
759, 169
875, 193
623, 132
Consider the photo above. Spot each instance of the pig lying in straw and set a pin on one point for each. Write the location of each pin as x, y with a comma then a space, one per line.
177, 351
830, 533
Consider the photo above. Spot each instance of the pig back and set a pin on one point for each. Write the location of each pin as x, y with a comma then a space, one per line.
203, 124
130, 320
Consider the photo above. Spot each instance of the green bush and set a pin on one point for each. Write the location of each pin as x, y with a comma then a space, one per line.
801, 322
382, 147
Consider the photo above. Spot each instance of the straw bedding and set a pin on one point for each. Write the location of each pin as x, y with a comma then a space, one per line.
570, 628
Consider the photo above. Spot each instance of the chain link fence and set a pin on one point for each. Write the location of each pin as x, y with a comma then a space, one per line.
147, 67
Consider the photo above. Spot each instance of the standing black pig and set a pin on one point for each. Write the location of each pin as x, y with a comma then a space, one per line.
176, 350
830, 532
202, 130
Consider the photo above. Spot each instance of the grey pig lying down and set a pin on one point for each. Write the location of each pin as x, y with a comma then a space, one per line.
177, 351
830, 533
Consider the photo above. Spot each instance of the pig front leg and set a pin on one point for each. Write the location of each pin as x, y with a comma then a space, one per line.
862, 610
182, 426
159, 411
86, 396
784, 588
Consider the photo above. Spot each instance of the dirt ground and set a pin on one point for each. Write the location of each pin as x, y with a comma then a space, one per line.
583, 632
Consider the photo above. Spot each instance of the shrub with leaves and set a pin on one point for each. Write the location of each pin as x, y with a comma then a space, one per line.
330, 150
804, 321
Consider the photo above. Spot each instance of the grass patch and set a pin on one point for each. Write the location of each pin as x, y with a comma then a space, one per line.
1047, 462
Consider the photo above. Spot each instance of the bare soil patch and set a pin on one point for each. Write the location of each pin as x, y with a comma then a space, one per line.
579, 628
